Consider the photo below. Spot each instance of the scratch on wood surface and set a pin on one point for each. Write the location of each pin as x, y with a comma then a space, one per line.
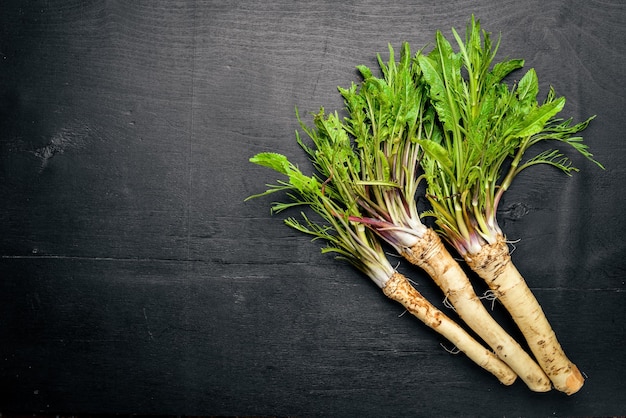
192, 97
74, 136
145, 316
92, 258
319, 73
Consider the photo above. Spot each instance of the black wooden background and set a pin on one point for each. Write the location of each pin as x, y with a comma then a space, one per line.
134, 278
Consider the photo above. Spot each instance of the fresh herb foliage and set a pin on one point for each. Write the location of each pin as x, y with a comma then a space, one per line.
351, 241
387, 119
487, 128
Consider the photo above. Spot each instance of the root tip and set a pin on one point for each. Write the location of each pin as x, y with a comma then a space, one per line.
508, 379
543, 385
574, 381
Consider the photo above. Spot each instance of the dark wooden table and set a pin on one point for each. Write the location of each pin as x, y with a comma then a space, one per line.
134, 278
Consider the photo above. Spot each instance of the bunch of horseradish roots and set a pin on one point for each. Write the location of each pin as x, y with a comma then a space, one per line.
450, 121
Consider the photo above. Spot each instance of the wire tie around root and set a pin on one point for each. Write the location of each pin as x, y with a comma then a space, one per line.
454, 350
402, 314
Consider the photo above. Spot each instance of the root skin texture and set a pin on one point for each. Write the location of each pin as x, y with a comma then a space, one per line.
399, 289
493, 263
431, 255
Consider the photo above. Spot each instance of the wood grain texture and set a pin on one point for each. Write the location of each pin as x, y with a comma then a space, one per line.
135, 279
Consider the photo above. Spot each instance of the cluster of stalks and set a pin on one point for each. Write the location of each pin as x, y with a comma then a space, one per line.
448, 119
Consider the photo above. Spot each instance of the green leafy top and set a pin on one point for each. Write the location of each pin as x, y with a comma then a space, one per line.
366, 166
387, 119
350, 240
486, 125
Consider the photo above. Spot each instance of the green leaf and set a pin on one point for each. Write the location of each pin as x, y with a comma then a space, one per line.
437, 152
504, 68
550, 157
446, 109
366, 73
273, 160
536, 120
527, 89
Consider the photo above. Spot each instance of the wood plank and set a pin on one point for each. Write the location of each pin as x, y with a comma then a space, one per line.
135, 279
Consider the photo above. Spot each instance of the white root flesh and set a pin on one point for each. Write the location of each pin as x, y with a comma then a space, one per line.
431, 255
493, 263
399, 289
